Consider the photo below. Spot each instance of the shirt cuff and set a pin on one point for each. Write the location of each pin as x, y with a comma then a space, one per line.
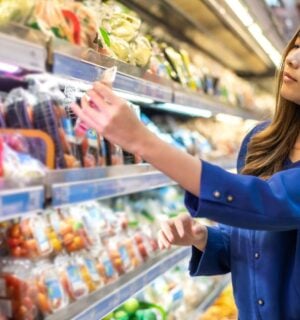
213, 260
215, 192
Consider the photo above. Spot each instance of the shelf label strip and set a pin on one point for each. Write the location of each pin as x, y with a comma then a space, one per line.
63, 194
21, 202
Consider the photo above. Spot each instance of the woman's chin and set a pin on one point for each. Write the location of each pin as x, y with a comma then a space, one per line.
290, 95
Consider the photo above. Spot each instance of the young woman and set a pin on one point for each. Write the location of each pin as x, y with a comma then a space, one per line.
261, 248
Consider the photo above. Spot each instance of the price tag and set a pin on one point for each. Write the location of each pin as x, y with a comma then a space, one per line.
35, 200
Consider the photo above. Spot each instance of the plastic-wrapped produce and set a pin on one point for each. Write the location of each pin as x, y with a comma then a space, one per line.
18, 109
48, 17
28, 238
120, 48
51, 294
17, 11
122, 25
87, 16
140, 51
104, 265
17, 290
70, 231
44, 118
89, 271
71, 277
21, 167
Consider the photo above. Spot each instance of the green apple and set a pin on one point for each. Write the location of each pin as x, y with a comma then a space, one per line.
131, 305
110, 316
121, 315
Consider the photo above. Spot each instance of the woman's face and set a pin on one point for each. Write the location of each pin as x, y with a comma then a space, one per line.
290, 88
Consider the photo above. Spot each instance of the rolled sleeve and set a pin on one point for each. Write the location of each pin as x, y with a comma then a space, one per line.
247, 201
216, 257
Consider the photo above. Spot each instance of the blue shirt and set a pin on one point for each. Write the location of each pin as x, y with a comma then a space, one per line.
258, 240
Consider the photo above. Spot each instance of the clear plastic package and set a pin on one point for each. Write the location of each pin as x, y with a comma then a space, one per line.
71, 277
51, 295
18, 293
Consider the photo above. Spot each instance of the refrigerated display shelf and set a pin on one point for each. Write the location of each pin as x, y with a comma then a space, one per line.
65, 187
69, 186
87, 65
72, 186
105, 300
28, 52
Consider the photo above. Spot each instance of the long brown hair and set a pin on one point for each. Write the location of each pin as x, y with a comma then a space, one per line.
268, 149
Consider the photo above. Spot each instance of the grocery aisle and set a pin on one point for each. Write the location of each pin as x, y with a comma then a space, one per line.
79, 216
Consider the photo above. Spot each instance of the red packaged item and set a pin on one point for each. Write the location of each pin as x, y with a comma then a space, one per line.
17, 290
71, 277
28, 238
51, 295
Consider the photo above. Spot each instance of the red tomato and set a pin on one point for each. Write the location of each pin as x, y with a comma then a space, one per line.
14, 242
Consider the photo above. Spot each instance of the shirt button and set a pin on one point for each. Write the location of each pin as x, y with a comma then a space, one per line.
257, 255
260, 302
230, 198
217, 194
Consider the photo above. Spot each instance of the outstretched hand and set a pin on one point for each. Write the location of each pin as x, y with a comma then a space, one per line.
182, 231
111, 117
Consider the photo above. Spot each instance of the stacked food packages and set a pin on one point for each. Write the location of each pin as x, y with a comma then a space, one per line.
113, 30
173, 296
50, 260
39, 131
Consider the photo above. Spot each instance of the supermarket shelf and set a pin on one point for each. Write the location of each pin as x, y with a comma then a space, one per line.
102, 302
79, 185
87, 64
17, 201
22, 47
200, 101
212, 296
27, 49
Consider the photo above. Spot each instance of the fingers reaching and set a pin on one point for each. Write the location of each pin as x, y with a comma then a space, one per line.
163, 242
85, 118
168, 230
105, 92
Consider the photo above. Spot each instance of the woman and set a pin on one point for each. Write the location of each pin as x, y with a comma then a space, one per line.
261, 204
